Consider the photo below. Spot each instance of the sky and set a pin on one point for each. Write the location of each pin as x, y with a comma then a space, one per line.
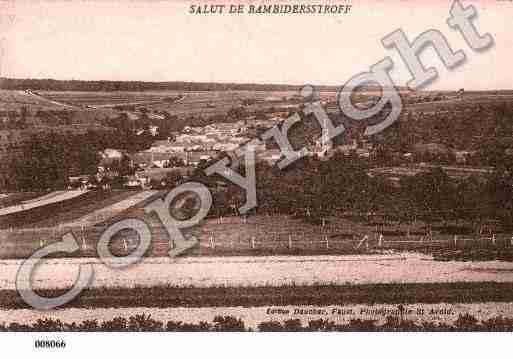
161, 41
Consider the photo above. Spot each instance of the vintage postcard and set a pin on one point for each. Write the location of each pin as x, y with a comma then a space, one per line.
255, 166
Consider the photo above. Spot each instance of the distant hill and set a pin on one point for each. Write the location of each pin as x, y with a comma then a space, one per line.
78, 85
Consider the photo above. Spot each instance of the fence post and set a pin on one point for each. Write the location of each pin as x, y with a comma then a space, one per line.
84, 245
15, 247
252, 242
290, 241
327, 242
380, 240
455, 240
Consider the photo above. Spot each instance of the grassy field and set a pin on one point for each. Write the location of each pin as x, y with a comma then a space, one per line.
12, 199
230, 236
193, 103
460, 104
14, 100
81, 98
65, 211
93, 107
164, 296
206, 103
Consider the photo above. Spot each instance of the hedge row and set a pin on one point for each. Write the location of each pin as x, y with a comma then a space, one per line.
142, 322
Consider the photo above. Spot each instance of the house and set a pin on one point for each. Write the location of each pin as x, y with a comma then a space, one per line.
167, 147
191, 138
145, 159
154, 116
152, 130
190, 130
194, 158
225, 146
222, 128
160, 163
82, 181
158, 174
132, 181
137, 180
109, 156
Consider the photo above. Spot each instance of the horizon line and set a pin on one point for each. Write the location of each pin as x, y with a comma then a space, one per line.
337, 87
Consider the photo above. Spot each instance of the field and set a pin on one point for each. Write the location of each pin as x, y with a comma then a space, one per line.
12, 199
93, 107
14, 100
314, 295
82, 119
89, 215
160, 100
60, 213
207, 103
460, 104
94, 99
90, 108
257, 271
193, 103
258, 236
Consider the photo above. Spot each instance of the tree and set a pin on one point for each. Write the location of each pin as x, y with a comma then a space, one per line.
432, 192
175, 162
44, 164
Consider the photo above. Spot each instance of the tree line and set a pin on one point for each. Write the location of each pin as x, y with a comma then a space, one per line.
48, 159
314, 189
78, 85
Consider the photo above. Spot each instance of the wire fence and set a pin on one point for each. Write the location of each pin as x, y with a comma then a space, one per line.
227, 235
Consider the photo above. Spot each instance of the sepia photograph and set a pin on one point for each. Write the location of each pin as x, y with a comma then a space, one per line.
254, 166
